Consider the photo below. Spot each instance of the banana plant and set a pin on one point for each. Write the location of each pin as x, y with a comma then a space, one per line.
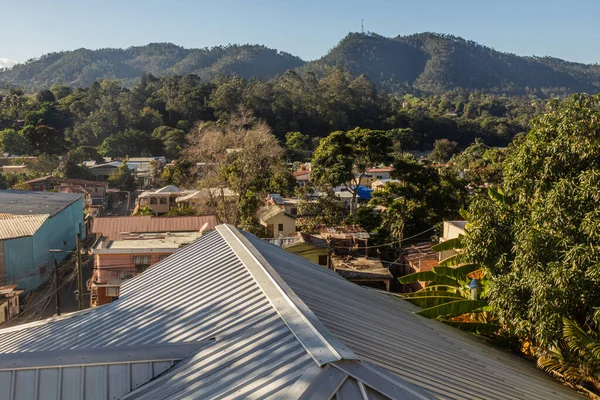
447, 295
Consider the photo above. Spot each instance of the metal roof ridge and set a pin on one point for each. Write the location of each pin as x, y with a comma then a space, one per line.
322, 345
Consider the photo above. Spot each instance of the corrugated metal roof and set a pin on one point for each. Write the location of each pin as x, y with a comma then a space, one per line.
29, 203
14, 226
383, 330
112, 227
269, 325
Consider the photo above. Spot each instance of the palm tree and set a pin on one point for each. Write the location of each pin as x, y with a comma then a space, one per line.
576, 358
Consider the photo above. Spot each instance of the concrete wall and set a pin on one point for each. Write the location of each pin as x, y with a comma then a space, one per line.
450, 231
27, 260
289, 225
308, 251
119, 266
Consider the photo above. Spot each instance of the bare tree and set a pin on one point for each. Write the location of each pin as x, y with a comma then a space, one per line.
242, 156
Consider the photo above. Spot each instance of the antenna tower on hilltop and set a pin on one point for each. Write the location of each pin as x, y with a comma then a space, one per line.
362, 26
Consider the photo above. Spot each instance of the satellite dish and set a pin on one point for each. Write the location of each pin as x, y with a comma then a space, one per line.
203, 227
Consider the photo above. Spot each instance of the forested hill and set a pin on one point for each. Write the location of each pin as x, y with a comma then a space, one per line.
82, 67
434, 63
426, 62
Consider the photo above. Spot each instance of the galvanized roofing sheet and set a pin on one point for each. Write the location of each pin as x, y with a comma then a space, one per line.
112, 227
383, 330
268, 324
14, 226
29, 203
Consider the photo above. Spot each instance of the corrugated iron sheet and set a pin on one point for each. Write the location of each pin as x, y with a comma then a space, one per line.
112, 227
78, 383
202, 292
14, 226
254, 345
383, 330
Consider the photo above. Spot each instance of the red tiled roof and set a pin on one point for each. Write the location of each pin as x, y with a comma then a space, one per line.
301, 173
383, 169
112, 227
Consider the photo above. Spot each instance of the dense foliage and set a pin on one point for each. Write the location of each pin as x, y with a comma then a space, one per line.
541, 242
153, 117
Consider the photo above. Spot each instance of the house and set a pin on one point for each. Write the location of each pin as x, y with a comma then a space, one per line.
277, 221
380, 183
451, 230
118, 260
115, 228
102, 171
380, 172
96, 190
418, 257
336, 255
312, 248
9, 302
161, 200
14, 169
232, 316
302, 177
31, 223
206, 200
289, 204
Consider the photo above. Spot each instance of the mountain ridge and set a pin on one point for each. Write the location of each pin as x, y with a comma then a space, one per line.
423, 62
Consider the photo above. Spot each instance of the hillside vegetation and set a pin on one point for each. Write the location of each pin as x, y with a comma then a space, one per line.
82, 67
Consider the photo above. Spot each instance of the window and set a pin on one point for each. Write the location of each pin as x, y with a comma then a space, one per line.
152, 200
163, 201
163, 256
172, 200
294, 211
280, 227
112, 291
323, 260
141, 263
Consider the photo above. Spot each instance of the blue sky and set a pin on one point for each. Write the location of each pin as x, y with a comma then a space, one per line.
309, 28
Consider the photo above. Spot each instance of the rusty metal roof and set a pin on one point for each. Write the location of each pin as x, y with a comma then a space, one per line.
112, 227
14, 226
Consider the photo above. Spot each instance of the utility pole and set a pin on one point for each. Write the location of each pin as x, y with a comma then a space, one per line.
57, 287
79, 272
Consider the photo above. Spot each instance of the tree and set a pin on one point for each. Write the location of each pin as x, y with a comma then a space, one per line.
421, 198
70, 166
131, 143
343, 158
443, 150
575, 358
242, 155
143, 210
44, 139
182, 211
13, 143
297, 146
540, 243
172, 140
123, 178
326, 210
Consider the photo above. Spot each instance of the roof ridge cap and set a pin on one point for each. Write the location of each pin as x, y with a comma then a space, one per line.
318, 341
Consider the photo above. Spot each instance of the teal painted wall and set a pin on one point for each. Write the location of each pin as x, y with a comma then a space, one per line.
27, 260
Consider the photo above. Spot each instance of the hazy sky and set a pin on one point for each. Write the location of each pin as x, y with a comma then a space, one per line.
308, 28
